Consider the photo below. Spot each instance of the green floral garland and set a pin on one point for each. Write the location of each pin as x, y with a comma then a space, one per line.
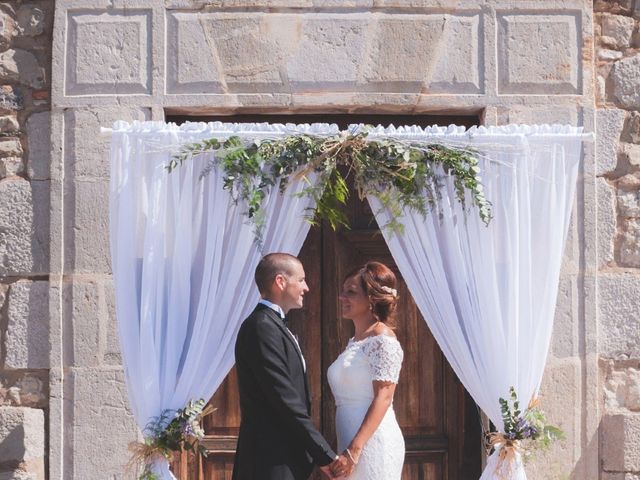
400, 174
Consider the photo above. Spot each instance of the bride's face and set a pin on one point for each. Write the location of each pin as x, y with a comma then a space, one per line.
353, 299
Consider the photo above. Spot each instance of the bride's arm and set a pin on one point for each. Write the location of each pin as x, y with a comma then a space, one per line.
382, 399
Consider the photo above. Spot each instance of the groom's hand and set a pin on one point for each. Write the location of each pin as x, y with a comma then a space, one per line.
327, 471
341, 467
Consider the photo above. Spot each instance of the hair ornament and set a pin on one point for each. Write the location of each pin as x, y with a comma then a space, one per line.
391, 291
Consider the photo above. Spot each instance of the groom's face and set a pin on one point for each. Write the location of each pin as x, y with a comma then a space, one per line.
295, 287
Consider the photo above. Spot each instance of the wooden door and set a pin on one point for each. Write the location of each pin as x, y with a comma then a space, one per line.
439, 420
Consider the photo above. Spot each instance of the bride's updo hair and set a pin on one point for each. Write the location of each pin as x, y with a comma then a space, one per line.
379, 284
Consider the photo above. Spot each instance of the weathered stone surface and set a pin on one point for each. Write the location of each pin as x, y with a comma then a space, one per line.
632, 130
87, 152
626, 88
631, 153
111, 347
30, 20
21, 66
19, 475
609, 125
7, 30
22, 390
604, 54
86, 227
282, 52
564, 339
618, 314
617, 30
10, 166
561, 388
101, 421
11, 99
619, 476
27, 339
39, 137
629, 196
108, 53
10, 148
606, 221
21, 434
630, 243
9, 124
622, 390
86, 318
533, 115
538, 54
616, 6
24, 227
619, 438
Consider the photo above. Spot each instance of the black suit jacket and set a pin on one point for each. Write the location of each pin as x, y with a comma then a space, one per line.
277, 440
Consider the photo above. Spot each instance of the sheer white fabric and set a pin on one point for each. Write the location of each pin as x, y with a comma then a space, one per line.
183, 260
350, 377
488, 293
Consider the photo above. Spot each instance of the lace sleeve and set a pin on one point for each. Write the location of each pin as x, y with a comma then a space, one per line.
385, 358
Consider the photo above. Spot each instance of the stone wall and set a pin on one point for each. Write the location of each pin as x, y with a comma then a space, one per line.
61, 382
25, 73
618, 100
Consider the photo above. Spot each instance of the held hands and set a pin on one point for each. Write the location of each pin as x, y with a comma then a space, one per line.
342, 466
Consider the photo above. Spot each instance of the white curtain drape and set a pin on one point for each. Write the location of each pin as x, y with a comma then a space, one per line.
488, 293
183, 259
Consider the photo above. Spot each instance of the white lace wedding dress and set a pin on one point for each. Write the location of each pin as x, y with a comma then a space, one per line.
374, 358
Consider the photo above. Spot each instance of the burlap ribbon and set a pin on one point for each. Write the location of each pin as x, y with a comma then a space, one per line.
508, 451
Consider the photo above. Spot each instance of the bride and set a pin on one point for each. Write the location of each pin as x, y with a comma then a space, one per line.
364, 376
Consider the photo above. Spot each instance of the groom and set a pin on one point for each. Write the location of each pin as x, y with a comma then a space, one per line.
277, 440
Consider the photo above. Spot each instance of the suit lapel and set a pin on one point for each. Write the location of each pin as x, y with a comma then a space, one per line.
280, 323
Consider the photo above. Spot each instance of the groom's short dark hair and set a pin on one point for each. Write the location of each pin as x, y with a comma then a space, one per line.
271, 265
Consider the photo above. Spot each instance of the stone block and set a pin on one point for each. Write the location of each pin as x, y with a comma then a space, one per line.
9, 124
85, 320
338, 43
22, 434
39, 137
87, 151
539, 54
631, 153
624, 75
609, 125
564, 339
536, 115
23, 389
620, 436
629, 196
10, 148
622, 390
21, 66
439, 53
11, 166
7, 30
109, 52
608, 55
632, 130
618, 315
26, 343
607, 222
110, 348
30, 20
87, 228
101, 422
11, 99
19, 475
617, 30
24, 227
630, 244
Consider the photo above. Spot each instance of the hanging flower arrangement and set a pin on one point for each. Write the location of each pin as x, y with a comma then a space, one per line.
524, 432
400, 174
172, 431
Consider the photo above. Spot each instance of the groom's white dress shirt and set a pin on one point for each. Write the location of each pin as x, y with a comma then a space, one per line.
279, 311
